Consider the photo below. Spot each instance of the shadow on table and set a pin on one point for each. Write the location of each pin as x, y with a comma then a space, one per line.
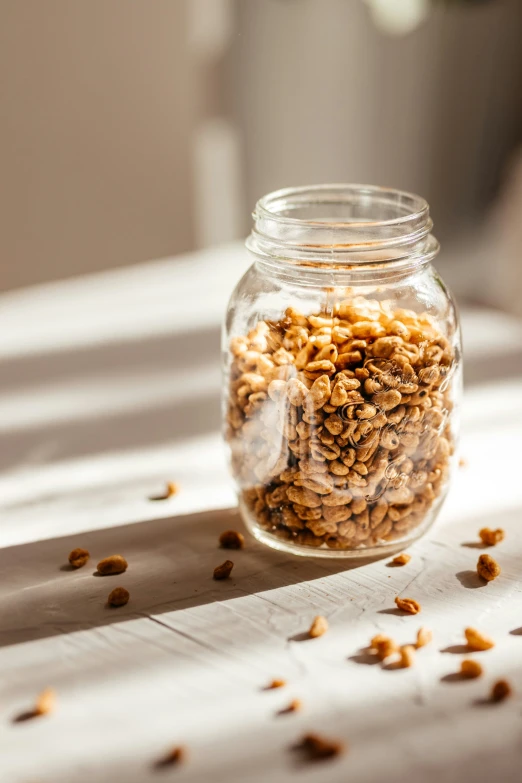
171, 562
165, 360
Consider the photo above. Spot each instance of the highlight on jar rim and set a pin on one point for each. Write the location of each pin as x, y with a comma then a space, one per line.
342, 373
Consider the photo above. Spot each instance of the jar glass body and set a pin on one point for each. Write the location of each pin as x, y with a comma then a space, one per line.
342, 376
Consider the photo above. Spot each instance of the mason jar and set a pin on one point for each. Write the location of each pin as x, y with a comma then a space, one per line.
341, 373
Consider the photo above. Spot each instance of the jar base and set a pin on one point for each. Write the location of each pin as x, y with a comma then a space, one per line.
362, 555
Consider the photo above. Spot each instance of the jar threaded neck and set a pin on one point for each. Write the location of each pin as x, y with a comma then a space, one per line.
342, 225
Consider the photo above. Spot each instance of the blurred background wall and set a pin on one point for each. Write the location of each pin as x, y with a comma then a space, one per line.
132, 130
99, 100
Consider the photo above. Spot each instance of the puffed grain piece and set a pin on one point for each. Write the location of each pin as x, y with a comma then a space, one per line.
488, 568
477, 640
304, 497
296, 392
318, 627
319, 393
118, 597
115, 564
470, 668
318, 747
224, 570
402, 559
491, 537
501, 690
383, 646
46, 702
172, 489
78, 557
296, 705
176, 755
276, 684
231, 539
339, 497
408, 605
424, 637
407, 653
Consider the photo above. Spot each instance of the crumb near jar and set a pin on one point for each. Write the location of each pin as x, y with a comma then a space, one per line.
114, 564
276, 684
46, 702
501, 690
318, 747
224, 570
408, 605
319, 627
231, 539
118, 597
470, 668
477, 640
402, 559
491, 537
295, 705
78, 557
383, 646
488, 568
424, 637
174, 757
407, 656
171, 489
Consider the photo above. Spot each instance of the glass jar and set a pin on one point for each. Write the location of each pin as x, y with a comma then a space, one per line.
342, 373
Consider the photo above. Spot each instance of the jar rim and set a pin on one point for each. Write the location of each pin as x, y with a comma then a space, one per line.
265, 206
337, 224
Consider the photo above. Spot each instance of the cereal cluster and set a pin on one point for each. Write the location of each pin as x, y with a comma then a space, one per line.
338, 422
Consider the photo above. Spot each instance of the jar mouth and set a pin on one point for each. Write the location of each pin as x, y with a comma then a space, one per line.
337, 224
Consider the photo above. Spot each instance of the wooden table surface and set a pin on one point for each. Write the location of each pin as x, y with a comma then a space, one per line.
109, 389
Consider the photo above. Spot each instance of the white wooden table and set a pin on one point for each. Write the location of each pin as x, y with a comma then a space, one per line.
109, 388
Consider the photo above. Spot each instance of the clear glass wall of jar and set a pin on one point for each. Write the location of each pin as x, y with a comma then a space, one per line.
342, 373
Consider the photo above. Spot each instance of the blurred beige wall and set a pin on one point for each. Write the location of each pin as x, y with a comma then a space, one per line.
323, 95
136, 129
98, 102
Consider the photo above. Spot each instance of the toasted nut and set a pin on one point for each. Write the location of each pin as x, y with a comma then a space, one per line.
477, 640
318, 627
500, 690
487, 568
304, 497
408, 605
172, 489
78, 557
491, 537
118, 597
424, 637
296, 392
402, 559
318, 747
319, 393
470, 668
463, 462
115, 564
231, 539
383, 646
386, 400
295, 705
407, 656
176, 755
224, 570
276, 684
46, 702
